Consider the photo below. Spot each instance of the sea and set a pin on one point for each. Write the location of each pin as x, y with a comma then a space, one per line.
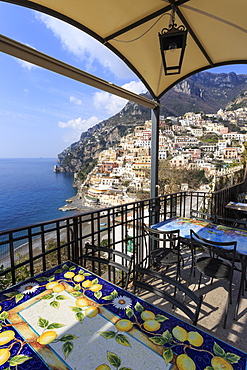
31, 192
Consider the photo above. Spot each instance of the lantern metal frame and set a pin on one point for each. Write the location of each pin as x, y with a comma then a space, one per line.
171, 38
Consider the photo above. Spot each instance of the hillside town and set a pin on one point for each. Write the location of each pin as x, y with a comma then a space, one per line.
196, 141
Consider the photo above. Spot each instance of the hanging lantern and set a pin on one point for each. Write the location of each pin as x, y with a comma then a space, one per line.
172, 47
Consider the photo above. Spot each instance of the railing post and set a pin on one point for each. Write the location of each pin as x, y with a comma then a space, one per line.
154, 152
155, 115
75, 245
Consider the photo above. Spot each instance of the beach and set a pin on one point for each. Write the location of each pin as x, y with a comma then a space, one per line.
22, 251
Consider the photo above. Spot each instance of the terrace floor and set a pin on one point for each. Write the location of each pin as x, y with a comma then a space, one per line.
212, 311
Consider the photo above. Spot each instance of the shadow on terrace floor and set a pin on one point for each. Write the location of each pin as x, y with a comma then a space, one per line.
212, 311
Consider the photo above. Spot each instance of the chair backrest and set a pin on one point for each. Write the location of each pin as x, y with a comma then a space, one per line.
223, 250
165, 239
234, 222
110, 257
199, 215
140, 281
213, 247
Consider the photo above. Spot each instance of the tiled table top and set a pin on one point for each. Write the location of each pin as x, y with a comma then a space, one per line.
69, 318
207, 230
237, 206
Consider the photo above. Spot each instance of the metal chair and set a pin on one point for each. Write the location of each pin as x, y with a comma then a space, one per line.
214, 265
243, 284
115, 260
239, 259
234, 222
166, 248
203, 216
141, 276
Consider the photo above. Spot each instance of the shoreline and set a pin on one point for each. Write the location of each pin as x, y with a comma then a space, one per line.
73, 204
23, 249
76, 204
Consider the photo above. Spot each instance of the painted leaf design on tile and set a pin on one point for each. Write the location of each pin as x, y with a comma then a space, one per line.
111, 296
43, 323
48, 296
55, 325
67, 337
113, 359
107, 334
98, 294
67, 348
61, 297
218, 351
122, 339
167, 355
167, 336
232, 358
161, 318
55, 304
158, 340
129, 312
19, 359
79, 316
139, 307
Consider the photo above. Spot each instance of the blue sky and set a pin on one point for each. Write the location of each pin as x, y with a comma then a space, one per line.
42, 113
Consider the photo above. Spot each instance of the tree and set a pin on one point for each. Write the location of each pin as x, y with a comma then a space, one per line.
243, 158
104, 243
171, 178
141, 195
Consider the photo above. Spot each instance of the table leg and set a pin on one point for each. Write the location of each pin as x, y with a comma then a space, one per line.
242, 286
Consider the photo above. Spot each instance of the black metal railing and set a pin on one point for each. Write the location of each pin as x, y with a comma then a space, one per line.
235, 193
26, 251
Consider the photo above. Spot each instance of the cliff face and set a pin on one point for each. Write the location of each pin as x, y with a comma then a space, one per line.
103, 135
239, 102
207, 92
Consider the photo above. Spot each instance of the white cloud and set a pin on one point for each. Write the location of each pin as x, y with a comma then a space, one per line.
76, 127
84, 47
75, 100
27, 65
112, 103
136, 87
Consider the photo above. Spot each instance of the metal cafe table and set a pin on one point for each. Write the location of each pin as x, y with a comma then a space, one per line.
239, 209
70, 319
207, 230
237, 206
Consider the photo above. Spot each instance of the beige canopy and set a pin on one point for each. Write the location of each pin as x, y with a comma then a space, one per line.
217, 35
217, 32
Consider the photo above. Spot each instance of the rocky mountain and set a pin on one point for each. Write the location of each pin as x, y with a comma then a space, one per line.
239, 102
205, 91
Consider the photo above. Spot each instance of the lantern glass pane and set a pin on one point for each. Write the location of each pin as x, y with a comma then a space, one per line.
172, 57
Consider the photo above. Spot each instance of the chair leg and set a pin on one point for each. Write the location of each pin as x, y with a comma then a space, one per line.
126, 282
230, 293
237, 304
226, 310
200, 279
240, 294
192, 271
